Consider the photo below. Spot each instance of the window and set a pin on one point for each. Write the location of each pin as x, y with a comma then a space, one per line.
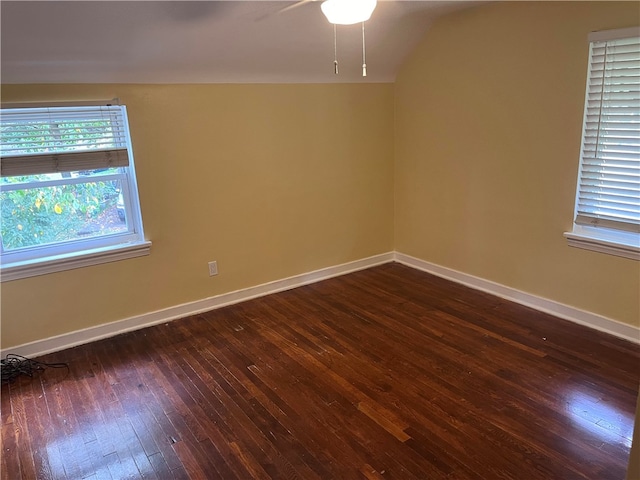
607, 212
68, 191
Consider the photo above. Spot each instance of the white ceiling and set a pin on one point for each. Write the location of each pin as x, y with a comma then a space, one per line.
203, 41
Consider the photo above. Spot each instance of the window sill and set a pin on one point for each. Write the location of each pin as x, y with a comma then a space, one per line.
69, 261
627, 246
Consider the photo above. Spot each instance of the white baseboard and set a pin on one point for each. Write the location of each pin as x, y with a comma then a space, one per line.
79, 337
582, 317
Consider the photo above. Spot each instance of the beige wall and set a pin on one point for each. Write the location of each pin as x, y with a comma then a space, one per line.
488, 123
269, 180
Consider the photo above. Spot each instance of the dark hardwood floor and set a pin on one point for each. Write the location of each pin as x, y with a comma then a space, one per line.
387, 373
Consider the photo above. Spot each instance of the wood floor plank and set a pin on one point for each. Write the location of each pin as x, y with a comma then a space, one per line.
10, 460
22, 433
47, 463
383, 373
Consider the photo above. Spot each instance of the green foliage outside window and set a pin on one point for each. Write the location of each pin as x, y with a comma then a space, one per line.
52, 214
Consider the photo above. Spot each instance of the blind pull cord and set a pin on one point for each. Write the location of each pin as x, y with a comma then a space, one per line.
335, 49
364, 62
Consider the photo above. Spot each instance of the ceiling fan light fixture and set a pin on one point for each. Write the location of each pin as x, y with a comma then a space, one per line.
348, 12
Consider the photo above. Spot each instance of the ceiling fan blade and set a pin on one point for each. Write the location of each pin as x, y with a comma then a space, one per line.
285, 9
295, 5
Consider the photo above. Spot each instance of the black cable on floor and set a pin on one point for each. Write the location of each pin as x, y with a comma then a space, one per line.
12, 366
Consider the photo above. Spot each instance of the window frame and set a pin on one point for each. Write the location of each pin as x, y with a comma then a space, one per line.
76, 253
601, 238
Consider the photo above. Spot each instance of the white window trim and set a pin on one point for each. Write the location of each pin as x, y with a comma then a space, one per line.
600, 239
604, 240
93, 255
70, 261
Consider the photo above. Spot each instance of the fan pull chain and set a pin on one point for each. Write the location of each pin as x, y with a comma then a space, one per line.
364, 62
335, 49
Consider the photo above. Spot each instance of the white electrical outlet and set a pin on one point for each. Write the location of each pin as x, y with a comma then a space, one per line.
213, 268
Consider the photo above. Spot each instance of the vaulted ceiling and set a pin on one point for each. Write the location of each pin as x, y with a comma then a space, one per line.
204, 41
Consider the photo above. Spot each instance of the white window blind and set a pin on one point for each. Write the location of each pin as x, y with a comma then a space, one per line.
609, 181
62, 139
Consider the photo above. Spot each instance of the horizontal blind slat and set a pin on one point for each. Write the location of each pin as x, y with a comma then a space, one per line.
621, 195
62, 139
608, 222
63, 162
625, 170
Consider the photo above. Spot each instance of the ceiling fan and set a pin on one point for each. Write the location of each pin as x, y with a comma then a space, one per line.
343, 12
